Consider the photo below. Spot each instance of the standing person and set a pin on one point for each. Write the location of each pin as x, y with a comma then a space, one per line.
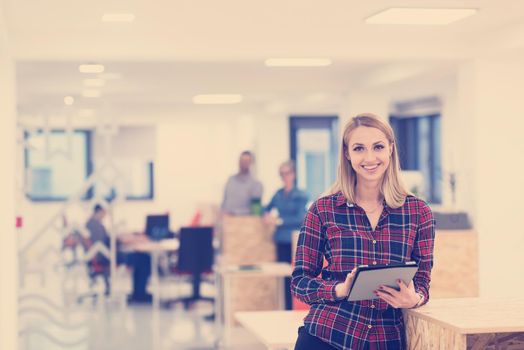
368, 218
242, 188
290, 203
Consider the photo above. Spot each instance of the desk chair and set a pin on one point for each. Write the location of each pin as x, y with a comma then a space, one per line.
97, 266
195, 257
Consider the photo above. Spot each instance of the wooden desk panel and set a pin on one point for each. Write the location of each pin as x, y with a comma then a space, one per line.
455, 271
246, 240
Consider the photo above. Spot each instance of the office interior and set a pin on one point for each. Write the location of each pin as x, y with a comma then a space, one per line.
139, 133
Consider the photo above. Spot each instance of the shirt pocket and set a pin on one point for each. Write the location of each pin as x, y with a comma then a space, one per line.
346, 247
400, 240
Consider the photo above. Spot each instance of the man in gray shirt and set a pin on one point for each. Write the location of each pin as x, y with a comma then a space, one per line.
241, 188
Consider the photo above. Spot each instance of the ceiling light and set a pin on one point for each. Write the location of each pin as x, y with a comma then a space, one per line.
420, 16
69, 100
217, 99
118, 17
298, 62
91, 93
96, 82
91, 68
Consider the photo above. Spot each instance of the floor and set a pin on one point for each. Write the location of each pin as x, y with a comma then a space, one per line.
51, 318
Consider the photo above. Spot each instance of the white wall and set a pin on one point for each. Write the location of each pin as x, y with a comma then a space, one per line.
8, 235
491, 93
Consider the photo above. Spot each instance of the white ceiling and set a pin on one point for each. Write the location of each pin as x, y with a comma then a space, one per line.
175, 49
239, 29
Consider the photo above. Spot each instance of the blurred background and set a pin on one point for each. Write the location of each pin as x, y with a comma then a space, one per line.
145, 107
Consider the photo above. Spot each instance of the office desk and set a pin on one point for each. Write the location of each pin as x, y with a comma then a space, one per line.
155, 248
275, 329
468, 323
224, 278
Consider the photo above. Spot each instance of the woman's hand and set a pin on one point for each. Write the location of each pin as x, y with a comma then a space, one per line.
342, 289
406, 298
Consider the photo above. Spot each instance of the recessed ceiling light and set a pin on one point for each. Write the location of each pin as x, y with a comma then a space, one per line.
217, 99
95, 82
91, 93
69, 100
91, 68
118, 17
420, 16
298, 62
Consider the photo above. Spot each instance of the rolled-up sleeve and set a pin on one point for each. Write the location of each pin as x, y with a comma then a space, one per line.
306, 284
423, 251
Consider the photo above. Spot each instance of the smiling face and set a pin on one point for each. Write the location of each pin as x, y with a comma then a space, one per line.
369, 152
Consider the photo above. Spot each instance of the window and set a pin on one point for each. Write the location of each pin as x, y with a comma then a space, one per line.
131, 177
125, 162
314, 149
419, 150
57, 164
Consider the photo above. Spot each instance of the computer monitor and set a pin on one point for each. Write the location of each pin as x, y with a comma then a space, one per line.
157, 227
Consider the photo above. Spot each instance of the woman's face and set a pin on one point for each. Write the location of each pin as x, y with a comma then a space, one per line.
287, 175
369, 152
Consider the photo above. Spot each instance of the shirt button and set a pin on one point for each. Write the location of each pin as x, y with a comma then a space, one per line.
370, 326
374, 242
374, 262
372, 306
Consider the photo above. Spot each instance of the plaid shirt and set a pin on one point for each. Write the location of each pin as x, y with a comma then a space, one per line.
341, 232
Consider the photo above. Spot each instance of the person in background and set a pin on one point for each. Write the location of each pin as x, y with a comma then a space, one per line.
139, 262
368, 217
98, 233
286, 211
241, 188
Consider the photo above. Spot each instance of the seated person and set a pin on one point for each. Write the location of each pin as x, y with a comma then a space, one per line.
139, 262
100, 263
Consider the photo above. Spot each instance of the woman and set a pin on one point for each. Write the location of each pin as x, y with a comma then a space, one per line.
290, 203
368, 218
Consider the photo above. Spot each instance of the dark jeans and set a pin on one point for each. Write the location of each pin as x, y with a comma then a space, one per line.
284, 255
141, 265
306, 341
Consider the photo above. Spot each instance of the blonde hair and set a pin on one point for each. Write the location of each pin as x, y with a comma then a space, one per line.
290, 164
392, 188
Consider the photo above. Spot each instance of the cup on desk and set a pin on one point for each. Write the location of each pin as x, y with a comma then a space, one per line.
256, 206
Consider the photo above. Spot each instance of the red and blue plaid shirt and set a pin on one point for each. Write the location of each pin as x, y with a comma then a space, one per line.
341, 232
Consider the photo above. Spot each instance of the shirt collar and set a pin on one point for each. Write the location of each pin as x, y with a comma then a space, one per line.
340, 200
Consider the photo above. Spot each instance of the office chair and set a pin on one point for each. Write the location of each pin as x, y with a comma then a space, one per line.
195, 257
97, 266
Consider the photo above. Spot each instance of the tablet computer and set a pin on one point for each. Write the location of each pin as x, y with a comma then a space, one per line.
369, 278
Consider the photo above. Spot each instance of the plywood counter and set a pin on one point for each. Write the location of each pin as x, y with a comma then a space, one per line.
466, 323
